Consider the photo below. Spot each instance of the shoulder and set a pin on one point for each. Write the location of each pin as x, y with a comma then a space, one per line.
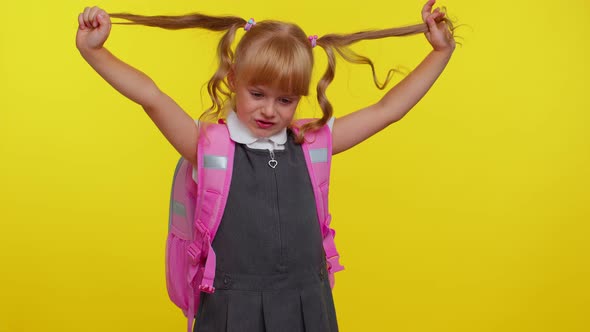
329, 123
210, 129
210, 132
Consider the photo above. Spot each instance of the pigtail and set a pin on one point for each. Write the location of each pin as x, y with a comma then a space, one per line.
338, 43
217, 86
195, 20
325, 105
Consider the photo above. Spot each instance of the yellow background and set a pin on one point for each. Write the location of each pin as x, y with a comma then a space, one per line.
470, 214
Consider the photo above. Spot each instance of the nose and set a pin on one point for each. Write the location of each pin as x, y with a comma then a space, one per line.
268, 110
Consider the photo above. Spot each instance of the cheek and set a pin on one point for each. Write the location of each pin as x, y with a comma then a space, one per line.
290, 112
244, 105
287, 116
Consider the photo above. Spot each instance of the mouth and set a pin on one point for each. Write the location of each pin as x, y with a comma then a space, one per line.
264, 124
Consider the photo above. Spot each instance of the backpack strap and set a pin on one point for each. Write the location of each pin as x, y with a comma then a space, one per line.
215, 165
317, 149
215, 156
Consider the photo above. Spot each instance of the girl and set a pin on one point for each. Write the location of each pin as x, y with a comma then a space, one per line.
269, 227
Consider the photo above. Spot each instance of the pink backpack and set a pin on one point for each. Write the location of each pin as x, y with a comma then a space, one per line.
196, 210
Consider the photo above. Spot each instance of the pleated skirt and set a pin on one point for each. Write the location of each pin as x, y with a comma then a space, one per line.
287, 302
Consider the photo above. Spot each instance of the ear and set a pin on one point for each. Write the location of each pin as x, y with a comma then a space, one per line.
231, 78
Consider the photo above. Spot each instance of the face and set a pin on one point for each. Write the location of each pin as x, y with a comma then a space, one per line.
264, 109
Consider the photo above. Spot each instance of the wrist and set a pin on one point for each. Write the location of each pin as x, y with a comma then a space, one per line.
90, 52
444, 52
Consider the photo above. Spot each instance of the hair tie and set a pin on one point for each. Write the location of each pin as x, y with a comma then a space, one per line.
313, 39
250, 24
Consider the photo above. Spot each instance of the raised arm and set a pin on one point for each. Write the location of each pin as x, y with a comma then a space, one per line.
176, 125
356, 127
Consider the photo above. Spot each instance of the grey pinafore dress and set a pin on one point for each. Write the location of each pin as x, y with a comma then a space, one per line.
271, 270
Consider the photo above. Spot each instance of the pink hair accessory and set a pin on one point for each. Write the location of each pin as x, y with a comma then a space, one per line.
250, 24
313, 39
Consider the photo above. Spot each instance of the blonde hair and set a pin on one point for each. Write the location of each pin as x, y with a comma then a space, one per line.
274, 52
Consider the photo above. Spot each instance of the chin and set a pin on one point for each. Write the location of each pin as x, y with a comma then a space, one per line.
263, 133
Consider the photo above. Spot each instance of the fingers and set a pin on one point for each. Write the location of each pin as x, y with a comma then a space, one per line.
89, 18
435, 17
438, 34
427, 12
431, 23
81, 21
427, 9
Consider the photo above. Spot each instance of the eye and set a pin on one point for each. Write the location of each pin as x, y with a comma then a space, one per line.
285, 101
256, 94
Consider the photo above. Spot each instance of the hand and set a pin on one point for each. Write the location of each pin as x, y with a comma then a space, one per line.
94, 28
438, 34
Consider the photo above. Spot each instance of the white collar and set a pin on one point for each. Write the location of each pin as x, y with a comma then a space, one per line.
241, 134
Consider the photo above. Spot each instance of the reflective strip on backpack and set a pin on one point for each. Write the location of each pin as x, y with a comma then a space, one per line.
178, 208
215, 162
318, 155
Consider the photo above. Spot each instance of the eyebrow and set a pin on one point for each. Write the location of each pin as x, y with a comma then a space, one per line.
281, 94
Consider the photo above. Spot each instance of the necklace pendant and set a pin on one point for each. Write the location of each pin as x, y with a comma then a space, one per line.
272, 162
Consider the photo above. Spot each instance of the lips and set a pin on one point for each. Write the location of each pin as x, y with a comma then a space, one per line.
264, 124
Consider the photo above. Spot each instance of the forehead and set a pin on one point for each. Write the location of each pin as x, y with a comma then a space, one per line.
284, 68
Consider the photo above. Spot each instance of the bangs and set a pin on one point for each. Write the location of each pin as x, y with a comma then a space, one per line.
278, 63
